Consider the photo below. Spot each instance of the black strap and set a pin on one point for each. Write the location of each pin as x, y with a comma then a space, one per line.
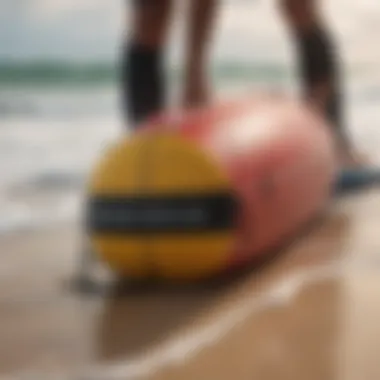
214, 212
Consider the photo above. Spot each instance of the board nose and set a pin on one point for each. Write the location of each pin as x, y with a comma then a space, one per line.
160, 206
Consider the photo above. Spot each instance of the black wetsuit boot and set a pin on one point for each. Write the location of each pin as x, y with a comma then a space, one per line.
319, 64
142, 83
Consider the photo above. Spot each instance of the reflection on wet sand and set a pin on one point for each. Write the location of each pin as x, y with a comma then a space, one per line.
359, 344
131, 327
309, 313
296, 341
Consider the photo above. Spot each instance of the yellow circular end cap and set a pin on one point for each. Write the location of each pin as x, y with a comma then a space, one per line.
161, 166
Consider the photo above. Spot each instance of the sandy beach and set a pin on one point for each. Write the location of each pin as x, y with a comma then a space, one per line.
312, 312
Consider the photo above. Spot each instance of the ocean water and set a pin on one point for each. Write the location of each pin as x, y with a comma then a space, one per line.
55, 122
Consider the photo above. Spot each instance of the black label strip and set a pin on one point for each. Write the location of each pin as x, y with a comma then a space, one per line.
164, 214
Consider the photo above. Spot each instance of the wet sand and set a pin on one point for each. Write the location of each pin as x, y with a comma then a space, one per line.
311, 313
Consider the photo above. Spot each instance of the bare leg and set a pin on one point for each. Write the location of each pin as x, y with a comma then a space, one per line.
201, 24
143, 77
319, 68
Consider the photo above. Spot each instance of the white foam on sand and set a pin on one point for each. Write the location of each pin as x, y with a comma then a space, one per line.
43, 167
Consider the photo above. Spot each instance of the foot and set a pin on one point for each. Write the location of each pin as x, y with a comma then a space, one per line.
352, 159
196, 93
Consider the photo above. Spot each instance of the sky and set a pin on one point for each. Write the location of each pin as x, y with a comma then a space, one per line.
248, 29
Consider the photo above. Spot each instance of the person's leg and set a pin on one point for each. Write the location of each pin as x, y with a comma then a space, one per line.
319, 65
143, 81
202, 16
